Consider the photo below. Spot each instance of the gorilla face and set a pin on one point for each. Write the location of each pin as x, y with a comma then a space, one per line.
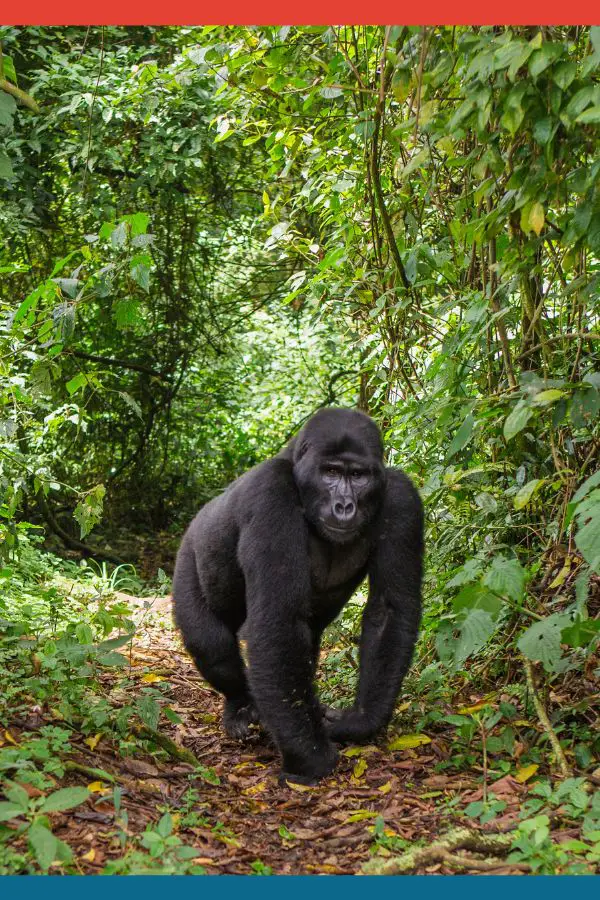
338, 468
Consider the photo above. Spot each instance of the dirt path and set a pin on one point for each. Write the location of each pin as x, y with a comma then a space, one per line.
247, 822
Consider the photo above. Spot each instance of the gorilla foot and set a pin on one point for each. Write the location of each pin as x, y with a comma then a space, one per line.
348, 726
238, 719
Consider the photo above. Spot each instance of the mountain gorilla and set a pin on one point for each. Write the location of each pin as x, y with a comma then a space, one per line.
283, 549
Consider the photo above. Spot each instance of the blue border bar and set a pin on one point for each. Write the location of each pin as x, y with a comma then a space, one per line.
244, 887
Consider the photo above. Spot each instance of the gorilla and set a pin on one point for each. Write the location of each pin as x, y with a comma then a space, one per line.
282, 550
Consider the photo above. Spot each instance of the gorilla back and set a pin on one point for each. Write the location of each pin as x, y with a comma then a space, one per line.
283, 549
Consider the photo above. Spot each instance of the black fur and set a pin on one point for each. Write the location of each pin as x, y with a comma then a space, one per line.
283, 549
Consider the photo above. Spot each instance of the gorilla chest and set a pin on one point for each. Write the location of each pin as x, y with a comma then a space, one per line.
334, 566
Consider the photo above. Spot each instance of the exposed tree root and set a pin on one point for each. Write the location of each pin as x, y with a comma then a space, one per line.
443, 851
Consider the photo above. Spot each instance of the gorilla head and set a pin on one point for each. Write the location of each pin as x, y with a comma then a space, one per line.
338, 468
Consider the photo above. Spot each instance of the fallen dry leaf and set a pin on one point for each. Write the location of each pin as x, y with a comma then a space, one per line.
408, 741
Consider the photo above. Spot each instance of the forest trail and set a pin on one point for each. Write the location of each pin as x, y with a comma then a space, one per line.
247, 823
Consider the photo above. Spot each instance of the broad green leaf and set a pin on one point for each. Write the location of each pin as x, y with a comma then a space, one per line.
44, 845
587, 537
544, 398
475, 632
8, 108
527, 492
329, 93
17, 794
9, 811
6, 167
113, 659
588, 485
517, 420
589, 116
118, 235
126, 312
564, 73
542, 58
84, 633
65, 798
541, 642
76, 383
476, 596
28, 303
506, 577
462, 436
115, 643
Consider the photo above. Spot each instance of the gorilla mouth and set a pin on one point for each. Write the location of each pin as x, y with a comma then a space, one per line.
339, 530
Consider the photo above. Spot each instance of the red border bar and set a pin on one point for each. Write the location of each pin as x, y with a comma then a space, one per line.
310, 12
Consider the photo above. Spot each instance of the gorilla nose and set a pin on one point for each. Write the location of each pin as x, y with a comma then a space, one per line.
344, 510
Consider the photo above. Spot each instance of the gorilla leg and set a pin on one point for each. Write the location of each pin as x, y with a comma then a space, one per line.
213, 645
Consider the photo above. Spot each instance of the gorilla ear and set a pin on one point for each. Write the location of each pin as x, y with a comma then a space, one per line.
300, 449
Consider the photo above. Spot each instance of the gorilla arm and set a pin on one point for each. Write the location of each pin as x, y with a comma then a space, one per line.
273, 552
391, 618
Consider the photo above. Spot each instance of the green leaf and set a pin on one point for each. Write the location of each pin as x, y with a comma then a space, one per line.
165, 825
587, 537
84, 633
542, 58
541, 642
462, 436
6, 167
28, 303
544, 398
585, 488
595, 37
141, 275
113, 659
148, 711
126, 312
17, 795
88, 511
589, 116
79, 381
476, 596
527, 492
330, 92
139, 223
517, 420
9, 811
8, 108
115, 643
475, 632
65, 798
506, 577
118, 235
564, 73
44, 845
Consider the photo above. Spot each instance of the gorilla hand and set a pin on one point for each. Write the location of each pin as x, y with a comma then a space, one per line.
238, 719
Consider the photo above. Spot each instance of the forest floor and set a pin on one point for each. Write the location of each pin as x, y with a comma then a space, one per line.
229, 812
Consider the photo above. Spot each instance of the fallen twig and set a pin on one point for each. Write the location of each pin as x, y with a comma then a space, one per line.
174, 750
545, 721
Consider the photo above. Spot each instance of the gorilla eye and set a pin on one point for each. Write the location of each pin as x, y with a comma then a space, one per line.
357, 474
331, 471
